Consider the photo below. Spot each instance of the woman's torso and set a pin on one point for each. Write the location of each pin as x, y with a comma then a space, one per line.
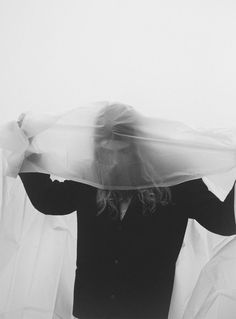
125, 266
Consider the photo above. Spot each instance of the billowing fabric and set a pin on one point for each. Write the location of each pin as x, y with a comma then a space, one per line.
198, 249
38, 252
214, 295
112, 146
37, 257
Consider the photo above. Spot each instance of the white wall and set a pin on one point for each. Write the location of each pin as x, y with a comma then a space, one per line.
171, 58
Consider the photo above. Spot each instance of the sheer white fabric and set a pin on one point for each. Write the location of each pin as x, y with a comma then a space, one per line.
112, 146
38, 252
38, 256
214, 295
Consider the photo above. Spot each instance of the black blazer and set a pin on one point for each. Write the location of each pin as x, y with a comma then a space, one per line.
125, 269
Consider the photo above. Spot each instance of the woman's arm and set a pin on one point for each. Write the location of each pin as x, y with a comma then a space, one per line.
197, 202
53, 197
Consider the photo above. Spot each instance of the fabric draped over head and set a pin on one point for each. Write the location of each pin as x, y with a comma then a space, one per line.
110, 145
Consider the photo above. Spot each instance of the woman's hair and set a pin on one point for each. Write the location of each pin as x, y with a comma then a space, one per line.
151, 199
122, 119
114, 121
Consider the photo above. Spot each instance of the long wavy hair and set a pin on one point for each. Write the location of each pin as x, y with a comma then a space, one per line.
151, 198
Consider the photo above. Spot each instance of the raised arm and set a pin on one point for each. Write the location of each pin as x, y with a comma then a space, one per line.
197, 202
53, 197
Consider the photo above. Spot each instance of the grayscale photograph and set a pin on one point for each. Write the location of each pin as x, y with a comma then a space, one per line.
117, 159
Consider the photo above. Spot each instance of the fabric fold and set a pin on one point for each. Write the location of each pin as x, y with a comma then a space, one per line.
110, 145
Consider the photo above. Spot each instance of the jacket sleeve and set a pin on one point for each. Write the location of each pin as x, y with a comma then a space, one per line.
196, 201
52, 197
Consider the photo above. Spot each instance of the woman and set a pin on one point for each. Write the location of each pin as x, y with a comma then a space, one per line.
128, 240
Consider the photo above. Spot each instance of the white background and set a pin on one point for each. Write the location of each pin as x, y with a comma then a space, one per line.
169, 58
174, 59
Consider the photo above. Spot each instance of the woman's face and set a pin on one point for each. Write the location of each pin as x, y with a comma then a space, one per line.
115, 152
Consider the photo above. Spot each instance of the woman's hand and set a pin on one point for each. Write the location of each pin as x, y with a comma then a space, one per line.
32, 157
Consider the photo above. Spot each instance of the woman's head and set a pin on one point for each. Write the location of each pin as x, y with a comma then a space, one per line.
119, 158
114, 138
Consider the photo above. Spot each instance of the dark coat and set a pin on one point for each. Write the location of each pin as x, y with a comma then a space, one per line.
125, 269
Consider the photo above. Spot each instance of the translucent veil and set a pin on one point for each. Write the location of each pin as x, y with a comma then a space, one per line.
110, 146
